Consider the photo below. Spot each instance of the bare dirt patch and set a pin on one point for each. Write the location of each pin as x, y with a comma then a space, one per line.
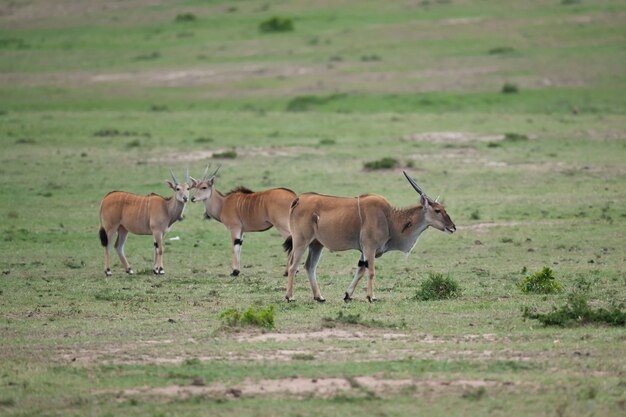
264, 152
453, 137
298, 387
321, 335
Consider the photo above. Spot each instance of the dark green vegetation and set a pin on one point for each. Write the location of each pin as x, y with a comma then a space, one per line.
261, 317
438, 287
97, 96
577, 312
541, 282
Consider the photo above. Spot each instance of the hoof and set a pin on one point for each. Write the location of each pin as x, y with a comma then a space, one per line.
289, 299
285, 274
347, 298
371, 299
320, 299
161, 271
156, 271
234, 273
107, 272
130, 271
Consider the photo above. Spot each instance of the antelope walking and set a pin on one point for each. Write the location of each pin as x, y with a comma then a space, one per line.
367, 223
122, 212
242, 210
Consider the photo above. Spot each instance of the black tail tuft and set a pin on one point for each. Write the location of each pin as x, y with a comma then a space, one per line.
103, 237
288, 245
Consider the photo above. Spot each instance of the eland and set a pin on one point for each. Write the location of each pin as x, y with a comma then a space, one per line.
123, 213
242, 210
367, 223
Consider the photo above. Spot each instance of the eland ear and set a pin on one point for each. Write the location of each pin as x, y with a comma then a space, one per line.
424, 201
171, 184
194, 182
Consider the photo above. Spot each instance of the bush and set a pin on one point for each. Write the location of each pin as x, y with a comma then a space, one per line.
185, 17
542, 282
384, 163
304, 103
577, 312
510, 88
276, 24
438, 287
515, 137
226, 155
501, 50
254, 318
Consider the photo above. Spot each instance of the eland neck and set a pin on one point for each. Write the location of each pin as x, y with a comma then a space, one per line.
405, 228
213, 206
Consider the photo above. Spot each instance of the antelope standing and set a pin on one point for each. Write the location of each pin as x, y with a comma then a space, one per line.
242, 210
122, 212
367, 223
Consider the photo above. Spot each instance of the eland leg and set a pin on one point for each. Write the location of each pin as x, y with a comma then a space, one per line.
370, 277
296, 257
315, 252
236, 235
158, 253
360, 271
122, 234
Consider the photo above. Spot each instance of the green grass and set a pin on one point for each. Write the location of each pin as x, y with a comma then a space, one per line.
94, 99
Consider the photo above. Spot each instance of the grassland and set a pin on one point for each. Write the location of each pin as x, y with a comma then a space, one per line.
96, 96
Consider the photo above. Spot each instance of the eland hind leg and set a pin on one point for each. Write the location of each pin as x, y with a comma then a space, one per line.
296, 257
312, 260
122, 234
106, 238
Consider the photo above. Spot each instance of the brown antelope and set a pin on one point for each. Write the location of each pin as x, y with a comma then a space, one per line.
367, 223
242, 210
122, 212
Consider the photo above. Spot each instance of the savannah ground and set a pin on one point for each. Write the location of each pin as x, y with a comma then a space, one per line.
96, 96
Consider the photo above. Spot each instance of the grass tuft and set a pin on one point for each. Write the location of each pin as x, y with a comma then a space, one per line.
509, 88
185, 17
384, 163
305, 103
542, 282
226, 155
501, 50
438, 287
252, 317
276, 24
577, 312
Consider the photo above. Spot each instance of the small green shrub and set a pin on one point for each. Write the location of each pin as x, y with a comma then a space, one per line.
501, 50
302, 357
158, 107
305, 103
327, 141
475, 395
225, 155
577, 312
569, 2
203, 140
542, 282
515, 137
185, 17
276, 24
252, 317
148, 57
384, 163
438, 287
25, 141
475, 215
509, 88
